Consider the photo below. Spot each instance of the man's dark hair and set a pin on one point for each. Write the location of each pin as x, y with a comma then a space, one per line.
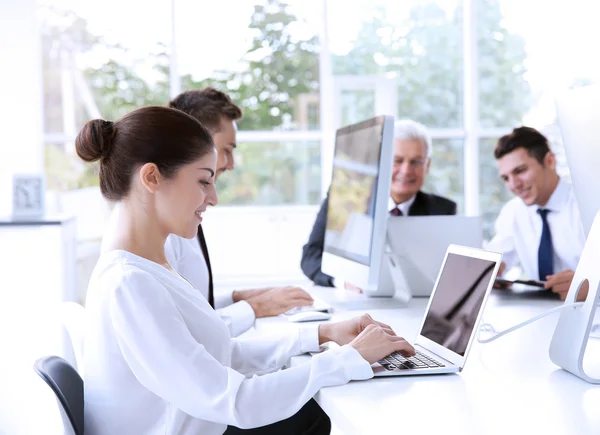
534, 142
208, 106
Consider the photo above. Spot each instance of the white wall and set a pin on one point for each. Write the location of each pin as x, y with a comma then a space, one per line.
250, 245
21, 98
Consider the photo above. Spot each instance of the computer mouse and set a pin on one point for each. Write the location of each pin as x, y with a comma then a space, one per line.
309, 316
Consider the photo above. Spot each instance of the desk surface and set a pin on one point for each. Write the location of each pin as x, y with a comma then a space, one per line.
509, 386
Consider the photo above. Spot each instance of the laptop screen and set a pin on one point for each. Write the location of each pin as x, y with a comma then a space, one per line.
457, 301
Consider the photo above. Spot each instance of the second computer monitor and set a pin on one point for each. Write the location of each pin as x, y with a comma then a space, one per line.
357, 214
419, 244
579, 119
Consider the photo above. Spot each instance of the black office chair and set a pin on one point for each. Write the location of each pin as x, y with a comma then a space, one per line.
68, 388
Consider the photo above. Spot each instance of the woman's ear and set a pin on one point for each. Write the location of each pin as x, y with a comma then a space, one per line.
150, 177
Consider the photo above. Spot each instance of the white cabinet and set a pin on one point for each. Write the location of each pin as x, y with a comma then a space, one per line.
38, 259
37, 273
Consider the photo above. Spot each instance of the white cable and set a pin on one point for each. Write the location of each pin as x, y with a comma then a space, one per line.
486, 327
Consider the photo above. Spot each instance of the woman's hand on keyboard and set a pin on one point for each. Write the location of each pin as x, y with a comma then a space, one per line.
347, 330
373, 344
366, 333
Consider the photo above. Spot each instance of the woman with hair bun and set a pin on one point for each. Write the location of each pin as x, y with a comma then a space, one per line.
158, 358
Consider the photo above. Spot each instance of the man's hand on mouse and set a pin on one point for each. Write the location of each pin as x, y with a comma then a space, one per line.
352, 287
276, 301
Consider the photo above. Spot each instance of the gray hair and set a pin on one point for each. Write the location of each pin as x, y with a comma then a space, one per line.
407, 129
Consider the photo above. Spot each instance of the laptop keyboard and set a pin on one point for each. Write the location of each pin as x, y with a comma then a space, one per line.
398, 362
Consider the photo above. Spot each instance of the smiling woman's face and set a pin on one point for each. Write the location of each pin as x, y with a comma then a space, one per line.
181, 200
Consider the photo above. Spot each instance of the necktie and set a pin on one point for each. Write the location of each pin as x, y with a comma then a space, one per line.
396, 212
202, 240
545, 251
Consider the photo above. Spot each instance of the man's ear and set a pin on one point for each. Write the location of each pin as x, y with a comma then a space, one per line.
427, 165
550, 160
150, 177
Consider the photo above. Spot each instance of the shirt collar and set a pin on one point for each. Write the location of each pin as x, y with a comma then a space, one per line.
558, 200
404, 206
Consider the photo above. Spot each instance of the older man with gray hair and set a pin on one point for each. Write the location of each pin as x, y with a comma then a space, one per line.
412, 158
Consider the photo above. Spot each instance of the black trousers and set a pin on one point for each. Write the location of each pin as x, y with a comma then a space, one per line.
310, 420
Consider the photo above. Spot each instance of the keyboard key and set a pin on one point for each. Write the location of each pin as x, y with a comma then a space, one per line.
387, 365
418, 361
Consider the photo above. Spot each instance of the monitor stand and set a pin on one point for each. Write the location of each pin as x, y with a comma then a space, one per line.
571, 339
392, 293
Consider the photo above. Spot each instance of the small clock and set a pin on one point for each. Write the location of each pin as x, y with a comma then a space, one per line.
28, 196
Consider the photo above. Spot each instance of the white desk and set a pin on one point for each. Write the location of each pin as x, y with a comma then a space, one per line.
509, 386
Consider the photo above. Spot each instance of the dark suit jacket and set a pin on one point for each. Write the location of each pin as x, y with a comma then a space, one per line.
425, 205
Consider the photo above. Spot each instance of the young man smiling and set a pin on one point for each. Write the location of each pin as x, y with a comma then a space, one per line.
540, 229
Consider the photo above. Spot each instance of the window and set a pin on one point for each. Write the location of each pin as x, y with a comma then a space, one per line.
522, 68
95, 66
493, 193
404, 58
273, 173
446, 171
411, 51
270, 69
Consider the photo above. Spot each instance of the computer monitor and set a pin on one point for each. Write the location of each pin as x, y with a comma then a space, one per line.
419, 244
579, 120
355, 231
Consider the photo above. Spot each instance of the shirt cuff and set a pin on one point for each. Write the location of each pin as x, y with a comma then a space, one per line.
309, 338
338, 283
358, 368
223, 298
239, 317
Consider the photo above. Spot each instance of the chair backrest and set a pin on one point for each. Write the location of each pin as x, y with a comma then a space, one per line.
72, 316
67, 385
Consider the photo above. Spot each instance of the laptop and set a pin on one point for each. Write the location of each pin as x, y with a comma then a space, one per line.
450, 323
419, 245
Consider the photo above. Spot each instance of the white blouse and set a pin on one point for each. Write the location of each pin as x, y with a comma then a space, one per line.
159, 360
186, 257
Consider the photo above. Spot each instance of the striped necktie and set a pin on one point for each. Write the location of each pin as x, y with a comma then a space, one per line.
396, 212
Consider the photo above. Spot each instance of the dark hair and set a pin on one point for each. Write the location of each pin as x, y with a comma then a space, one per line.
534, 142
208, 106
166, 137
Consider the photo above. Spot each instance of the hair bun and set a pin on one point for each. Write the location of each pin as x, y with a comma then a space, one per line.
95, 140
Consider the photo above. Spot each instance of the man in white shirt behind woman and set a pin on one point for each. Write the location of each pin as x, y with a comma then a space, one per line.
540, 229
239, 309
158, 358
